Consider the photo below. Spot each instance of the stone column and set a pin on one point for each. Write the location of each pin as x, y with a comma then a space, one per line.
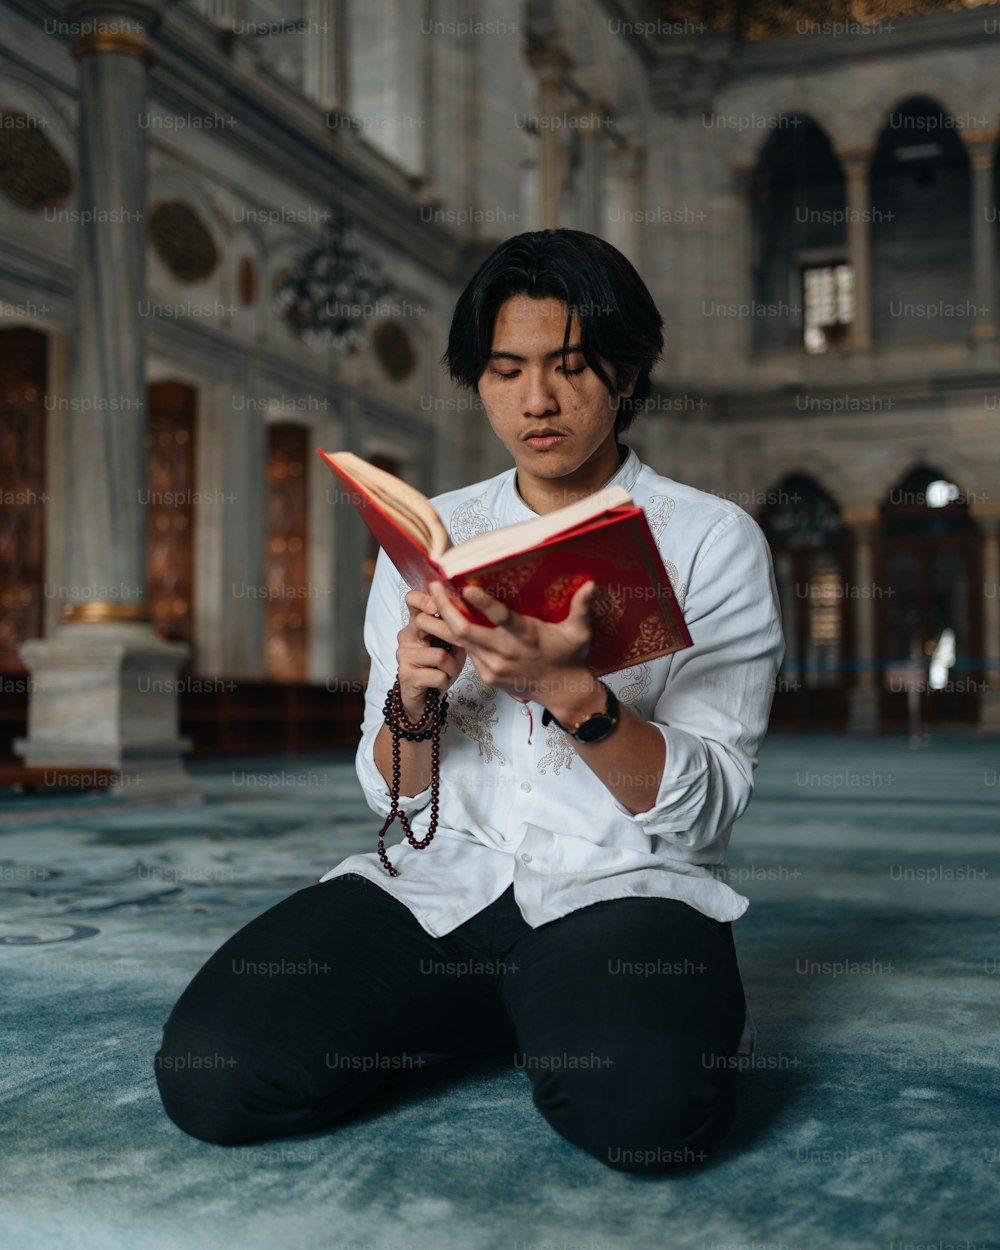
593, 118
741, 287
621, 219
229, 561
104, 686
550, 64
323, 53
863, 709
984, 274
989, 703
856, 168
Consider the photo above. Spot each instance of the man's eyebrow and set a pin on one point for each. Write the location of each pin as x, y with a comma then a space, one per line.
553, 355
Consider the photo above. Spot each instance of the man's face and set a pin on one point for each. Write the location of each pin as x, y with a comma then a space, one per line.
527, 387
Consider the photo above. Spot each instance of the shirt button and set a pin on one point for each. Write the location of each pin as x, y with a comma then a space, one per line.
526, 858
525, 786
525, 710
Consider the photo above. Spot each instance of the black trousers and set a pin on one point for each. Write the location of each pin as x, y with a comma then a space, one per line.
624, 1015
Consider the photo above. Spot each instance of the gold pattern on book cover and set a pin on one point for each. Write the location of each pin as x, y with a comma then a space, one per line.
506, 581
653, 637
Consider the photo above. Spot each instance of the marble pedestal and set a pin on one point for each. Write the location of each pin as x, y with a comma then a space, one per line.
105, 695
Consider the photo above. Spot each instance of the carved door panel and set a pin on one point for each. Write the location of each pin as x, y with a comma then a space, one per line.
170, 513
286, 572
22, 491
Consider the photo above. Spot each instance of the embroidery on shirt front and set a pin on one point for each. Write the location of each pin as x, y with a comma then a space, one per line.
658, 511
680, 588
633, 683
472, 708
471, 518
560, 751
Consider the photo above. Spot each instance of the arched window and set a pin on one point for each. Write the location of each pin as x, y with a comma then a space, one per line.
812, 554
921, 237
801, 278
928, 614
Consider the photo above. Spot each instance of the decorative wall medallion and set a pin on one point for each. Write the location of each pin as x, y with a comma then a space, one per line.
181, 241
33, 173
394, 350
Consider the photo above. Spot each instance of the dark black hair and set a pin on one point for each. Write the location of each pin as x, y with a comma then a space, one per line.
618, 318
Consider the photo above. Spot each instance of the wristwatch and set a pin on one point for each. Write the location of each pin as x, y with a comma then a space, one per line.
593, 728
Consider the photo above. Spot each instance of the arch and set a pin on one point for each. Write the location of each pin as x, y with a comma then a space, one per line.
770, 100
801, 498
913, 505
812, 554
797, 198
920, 209
929, 622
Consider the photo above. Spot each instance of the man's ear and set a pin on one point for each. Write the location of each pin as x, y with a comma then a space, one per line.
629, 386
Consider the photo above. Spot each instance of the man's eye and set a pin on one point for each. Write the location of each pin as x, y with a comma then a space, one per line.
572, 372
507, 375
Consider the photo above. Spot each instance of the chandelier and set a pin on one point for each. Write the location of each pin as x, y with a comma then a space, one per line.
334, 289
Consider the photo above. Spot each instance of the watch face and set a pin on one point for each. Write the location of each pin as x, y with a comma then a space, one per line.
594, 728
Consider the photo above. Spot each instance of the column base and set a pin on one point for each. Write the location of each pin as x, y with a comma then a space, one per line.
862, 713
104, 695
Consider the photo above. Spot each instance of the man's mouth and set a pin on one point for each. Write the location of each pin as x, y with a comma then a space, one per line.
541, 439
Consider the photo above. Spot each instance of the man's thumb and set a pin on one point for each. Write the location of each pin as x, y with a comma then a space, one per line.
579, 607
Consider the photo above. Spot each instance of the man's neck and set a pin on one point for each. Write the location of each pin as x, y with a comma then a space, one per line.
544, 495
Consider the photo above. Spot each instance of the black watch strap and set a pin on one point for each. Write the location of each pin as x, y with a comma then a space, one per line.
595, 727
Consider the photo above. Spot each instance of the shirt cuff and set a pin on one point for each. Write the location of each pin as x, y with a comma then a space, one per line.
683, 790
374, 785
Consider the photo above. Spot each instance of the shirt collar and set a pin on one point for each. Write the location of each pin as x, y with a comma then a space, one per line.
514, 505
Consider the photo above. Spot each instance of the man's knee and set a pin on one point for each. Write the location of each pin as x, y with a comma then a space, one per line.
204, 1087
227, 1094
633, 1126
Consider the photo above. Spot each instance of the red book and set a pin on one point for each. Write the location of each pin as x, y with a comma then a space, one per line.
535, 567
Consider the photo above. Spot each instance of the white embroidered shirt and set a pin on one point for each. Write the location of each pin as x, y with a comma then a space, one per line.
532, 813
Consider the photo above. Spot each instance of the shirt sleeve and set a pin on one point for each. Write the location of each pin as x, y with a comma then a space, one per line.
383, 621
714, 708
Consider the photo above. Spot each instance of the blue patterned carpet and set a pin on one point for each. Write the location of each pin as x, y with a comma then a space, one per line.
869, 1114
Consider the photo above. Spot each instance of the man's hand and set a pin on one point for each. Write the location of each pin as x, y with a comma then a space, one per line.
423, 664
526, 657
533, 659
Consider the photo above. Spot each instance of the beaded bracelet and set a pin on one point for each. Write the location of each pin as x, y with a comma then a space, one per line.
396, 719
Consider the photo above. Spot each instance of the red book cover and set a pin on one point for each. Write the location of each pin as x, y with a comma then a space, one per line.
634, 613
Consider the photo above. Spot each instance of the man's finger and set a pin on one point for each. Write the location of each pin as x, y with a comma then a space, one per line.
434, 626
493, 609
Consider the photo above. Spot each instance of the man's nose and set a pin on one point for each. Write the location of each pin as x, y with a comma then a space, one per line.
538, 396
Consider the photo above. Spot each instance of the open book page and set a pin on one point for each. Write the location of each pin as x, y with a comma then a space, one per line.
412, 510
512, 539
